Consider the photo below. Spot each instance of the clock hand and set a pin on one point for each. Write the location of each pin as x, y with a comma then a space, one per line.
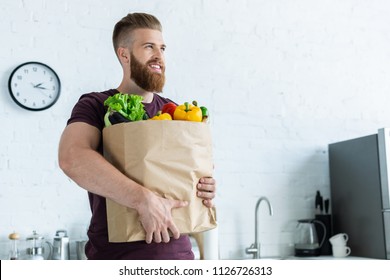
38, 86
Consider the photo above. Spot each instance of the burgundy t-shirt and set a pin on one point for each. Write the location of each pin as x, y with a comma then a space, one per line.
90, 109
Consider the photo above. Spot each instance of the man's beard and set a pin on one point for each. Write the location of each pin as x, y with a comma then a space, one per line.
144, 78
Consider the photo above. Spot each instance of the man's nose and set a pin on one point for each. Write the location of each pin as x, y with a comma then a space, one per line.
158, 54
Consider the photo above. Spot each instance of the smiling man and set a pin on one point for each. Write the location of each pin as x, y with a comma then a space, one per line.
139, 46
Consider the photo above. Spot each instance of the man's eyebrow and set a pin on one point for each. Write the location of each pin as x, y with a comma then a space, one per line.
154, 44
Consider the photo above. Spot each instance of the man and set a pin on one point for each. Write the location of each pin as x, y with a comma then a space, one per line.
140, 47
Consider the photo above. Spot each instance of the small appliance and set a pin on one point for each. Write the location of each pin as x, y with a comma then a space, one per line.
306, 238
61, 245
35, 249
80, 249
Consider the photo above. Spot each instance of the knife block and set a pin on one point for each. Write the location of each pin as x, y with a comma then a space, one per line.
326, 248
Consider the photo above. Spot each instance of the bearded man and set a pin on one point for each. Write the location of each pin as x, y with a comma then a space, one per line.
139, 46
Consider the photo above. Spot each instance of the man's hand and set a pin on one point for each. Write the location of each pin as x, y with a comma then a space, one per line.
156, 217
206, 190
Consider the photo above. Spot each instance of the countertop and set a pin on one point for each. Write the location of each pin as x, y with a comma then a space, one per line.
324, 258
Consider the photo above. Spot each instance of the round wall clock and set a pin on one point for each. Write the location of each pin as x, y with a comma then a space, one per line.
34, 86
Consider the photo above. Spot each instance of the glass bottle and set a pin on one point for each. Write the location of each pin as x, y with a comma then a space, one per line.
14, 251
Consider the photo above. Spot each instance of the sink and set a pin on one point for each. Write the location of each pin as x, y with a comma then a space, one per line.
271, 258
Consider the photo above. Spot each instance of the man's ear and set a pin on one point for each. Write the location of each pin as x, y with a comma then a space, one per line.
123, 55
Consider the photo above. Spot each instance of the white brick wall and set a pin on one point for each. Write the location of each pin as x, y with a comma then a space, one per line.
282, 79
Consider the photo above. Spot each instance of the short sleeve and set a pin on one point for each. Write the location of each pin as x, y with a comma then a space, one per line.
90, 109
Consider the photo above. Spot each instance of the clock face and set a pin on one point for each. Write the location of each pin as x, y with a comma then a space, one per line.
34, 86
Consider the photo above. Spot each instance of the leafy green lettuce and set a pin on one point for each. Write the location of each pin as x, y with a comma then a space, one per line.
128, 105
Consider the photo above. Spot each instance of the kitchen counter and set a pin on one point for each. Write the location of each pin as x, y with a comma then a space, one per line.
324, 258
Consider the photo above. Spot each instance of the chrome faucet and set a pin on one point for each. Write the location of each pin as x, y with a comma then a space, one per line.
255, 247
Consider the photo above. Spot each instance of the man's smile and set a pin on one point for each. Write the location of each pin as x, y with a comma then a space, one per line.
155, 67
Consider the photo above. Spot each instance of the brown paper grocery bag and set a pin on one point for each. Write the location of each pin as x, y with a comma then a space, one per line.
167, 157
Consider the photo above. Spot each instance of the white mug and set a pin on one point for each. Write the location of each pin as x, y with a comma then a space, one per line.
341, 251
339, 239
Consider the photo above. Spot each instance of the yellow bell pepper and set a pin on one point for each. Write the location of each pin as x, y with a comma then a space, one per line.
188, 112
161, 117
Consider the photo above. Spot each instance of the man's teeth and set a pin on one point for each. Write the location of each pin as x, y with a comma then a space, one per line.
155, 66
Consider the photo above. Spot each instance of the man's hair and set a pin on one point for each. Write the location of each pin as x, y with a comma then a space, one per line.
121, 36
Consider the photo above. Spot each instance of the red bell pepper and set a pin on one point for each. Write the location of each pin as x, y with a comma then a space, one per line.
169, 108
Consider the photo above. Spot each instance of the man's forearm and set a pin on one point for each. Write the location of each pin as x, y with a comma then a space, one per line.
95, 174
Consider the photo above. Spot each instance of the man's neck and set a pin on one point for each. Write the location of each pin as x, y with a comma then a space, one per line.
134, 89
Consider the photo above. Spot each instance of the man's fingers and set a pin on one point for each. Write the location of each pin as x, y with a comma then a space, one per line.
149, 237
208, 203
159, 231
157, 237
165, 236
175, 231
207, 180
179, 203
